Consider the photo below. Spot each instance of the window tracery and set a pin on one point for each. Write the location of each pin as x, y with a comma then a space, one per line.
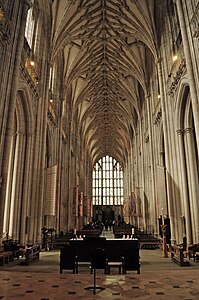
107, 182
29, 30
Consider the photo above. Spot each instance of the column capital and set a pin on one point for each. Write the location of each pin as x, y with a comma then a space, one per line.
29, 3
158, 61
179, 132
20, 133
147, 96
188, 130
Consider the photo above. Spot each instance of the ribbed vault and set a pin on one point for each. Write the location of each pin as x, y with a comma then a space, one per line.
108, 47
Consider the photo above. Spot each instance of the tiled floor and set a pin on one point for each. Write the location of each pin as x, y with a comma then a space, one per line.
159, 279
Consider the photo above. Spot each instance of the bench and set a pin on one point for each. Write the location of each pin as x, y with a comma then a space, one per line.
149, 245
120, 231
192, 250
177, 255
147, 240
5, 256
31, 254
196, 256
59, 242
88, 233
13, 246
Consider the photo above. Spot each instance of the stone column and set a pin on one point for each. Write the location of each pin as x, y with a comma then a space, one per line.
25, 202
7, 209
59, 162
152, 160
141, 182
17, 187
193, 181
12, 102
190, 70
166, 143
183, 188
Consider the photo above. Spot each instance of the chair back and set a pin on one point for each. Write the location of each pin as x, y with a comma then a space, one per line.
67, 257
99, 259
130, 258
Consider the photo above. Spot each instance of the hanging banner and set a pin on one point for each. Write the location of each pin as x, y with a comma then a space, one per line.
75, 201
80, 203
138, 201
126, 208
161, 188
89, 202
85, 204
50, 191
132, 205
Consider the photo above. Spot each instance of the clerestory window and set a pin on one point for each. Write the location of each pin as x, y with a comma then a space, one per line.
29, 27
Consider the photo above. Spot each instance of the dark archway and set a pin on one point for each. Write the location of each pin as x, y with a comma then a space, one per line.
108, 214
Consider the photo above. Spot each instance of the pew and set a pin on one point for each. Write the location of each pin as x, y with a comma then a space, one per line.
197, 256
13, 246
90, 233
59, 241
177, 255
192, 250
147, 240
5, 256
31, 255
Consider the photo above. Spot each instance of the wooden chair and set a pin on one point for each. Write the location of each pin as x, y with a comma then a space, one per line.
99, 260
130, 260
68, 259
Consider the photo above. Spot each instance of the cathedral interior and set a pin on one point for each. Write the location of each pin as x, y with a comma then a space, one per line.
99, 116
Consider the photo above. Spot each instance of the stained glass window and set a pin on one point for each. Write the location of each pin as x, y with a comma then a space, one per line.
107, 182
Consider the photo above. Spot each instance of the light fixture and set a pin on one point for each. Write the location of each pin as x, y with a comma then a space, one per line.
51, 100
159, 96
175, 57
32, 63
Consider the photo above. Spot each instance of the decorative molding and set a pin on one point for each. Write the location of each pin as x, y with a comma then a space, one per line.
179, 132
28, 79
51, 115
158, 117
5, 26
195, 22
177, 77
147, 139
188, 130
185, 131
64, 136
52, 118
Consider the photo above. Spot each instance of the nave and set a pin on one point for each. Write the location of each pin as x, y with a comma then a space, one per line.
99, 119
160, 278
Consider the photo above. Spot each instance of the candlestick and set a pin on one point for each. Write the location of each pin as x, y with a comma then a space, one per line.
162, 216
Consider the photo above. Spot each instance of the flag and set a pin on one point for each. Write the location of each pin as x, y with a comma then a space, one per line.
132, 201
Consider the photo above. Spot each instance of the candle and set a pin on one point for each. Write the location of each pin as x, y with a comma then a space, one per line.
75, 231
162, 216
133, 231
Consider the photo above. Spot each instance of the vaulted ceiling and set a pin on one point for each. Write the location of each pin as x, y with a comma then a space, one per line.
108, 48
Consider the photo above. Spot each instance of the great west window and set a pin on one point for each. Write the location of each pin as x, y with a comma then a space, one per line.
107, 182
